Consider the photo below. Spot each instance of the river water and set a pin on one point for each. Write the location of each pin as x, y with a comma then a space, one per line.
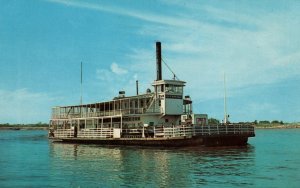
28, 159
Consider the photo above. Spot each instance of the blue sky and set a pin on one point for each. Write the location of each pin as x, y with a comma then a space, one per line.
256, 43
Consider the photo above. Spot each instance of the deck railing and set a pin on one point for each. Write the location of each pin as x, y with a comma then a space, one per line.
96, 133
63, 133
116, 112
175, 131
84, 133
161, 132
230, 129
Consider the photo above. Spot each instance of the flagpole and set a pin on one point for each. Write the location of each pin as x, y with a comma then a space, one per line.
81, 84
225, 102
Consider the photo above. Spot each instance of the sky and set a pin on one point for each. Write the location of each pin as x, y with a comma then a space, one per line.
255, 43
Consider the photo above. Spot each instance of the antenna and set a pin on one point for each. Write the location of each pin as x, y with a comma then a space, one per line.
81, 84
225, 101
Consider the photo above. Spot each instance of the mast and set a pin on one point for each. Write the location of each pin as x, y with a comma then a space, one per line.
81, 84
225, 101
80, 89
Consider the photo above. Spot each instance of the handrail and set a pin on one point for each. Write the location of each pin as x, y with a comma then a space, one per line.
96, 133
161, 132
99, 113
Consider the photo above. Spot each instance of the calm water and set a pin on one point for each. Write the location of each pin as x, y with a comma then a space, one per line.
27, 159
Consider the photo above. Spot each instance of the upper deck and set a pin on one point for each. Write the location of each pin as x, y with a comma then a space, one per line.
139, 104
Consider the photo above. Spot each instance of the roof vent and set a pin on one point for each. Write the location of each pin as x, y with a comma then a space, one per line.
121, 94
187, 97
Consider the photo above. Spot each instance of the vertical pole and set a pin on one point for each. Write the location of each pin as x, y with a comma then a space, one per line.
114, 107
80, 89
81, 84
225, 102
111, 126
101, 127
137, 87
138, 104
121, 123
173, 131
143, 133
109, 109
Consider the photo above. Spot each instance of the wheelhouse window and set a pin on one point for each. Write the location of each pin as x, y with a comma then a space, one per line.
174, 89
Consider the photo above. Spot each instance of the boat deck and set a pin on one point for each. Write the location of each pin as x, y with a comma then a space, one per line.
164, 136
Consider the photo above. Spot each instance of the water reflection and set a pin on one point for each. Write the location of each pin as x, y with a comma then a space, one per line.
138, 166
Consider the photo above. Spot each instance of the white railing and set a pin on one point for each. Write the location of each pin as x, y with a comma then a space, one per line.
96, 133
230, 129
161, 132
84, 133
176, 131
64, 133
208, 130
98, 113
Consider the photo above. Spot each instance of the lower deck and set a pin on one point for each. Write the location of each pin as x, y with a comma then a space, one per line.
217, 140
231, 134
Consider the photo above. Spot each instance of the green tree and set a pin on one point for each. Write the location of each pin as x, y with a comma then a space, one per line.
264, 122
213, 121
275, 122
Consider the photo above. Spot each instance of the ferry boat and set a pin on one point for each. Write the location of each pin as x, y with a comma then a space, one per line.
162, 117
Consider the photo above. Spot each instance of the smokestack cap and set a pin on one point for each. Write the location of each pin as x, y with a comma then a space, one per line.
158, 61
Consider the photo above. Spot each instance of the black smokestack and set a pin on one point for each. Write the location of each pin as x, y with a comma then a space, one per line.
137, 87
158, 61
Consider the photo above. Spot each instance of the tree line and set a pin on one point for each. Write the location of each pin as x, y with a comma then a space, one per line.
39, 124
214, 121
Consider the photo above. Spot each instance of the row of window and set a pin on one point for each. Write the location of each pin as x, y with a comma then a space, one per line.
105, 107
170, 89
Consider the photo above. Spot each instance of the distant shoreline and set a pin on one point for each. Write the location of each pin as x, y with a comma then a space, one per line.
278, 126
31, 126
24, 128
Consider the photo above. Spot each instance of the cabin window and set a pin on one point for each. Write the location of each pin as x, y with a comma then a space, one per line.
174, 89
